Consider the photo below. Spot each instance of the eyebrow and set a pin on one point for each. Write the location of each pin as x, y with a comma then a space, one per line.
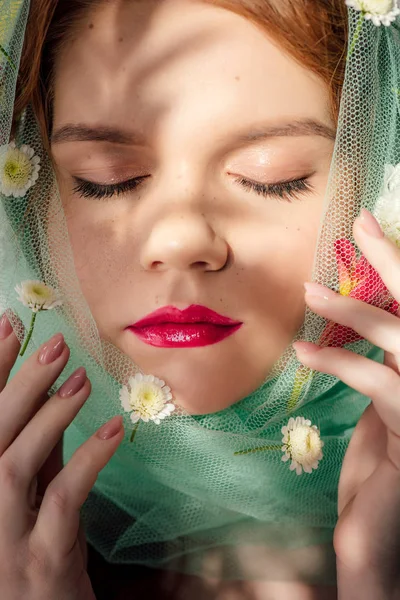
85, 133
303, 127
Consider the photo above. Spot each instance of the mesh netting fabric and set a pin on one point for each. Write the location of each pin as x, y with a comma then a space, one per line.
179, 497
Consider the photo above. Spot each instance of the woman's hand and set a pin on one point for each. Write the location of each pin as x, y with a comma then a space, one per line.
42, 546
367, 535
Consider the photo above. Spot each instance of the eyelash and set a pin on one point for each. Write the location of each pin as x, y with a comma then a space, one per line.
88, 189
284, 190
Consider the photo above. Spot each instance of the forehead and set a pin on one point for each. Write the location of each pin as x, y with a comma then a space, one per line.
130, 62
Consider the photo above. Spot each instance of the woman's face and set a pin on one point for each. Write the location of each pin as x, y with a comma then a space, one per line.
231, 140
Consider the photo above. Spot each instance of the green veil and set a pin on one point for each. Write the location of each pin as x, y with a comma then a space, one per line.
211, 494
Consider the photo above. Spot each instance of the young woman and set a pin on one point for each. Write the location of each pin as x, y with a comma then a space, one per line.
171, 172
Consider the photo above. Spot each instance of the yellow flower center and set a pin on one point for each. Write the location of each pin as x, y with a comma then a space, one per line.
378, 7
304, 444
39, 291
147, 399
148, 396
17, 169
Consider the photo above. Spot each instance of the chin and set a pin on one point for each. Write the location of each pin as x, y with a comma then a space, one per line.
208, 390
202, 380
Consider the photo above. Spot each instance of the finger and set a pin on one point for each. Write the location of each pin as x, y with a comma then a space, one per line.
369, 532
365, 451
51, 468
390, 360
57, 523
9, 348
380, 252
25, 457
374, 324
376, 381
34, 444
22, 395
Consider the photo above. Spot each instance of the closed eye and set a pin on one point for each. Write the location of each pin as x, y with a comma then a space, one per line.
89, 189
283, 190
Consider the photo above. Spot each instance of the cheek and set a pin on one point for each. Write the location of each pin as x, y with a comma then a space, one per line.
100, 257
278, 253
279, 258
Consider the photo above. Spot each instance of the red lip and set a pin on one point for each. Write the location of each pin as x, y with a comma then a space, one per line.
195, 326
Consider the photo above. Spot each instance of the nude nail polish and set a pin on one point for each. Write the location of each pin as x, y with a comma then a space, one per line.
110, 429
52, 349
5, 327
73, 384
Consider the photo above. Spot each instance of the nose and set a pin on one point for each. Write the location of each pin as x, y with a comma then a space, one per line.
184, 242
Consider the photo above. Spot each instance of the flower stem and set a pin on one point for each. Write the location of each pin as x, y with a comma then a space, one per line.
356, 34
259, 449
301, 378
8, 57
28, 337
134, 430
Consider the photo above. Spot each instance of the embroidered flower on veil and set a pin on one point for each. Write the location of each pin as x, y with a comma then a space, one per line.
147, 398
302, 445
37, 296
380, 12
19, 169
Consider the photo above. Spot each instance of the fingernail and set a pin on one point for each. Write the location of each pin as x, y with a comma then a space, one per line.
370, 224
52, 349
73, 384
110, 429
305, 348
316, 289
5, 327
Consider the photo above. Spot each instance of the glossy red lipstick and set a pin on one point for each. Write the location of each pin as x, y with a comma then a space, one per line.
192, 327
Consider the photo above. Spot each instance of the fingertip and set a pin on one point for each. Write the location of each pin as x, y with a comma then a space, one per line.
6, 328
370, 224
305, 351
110, 429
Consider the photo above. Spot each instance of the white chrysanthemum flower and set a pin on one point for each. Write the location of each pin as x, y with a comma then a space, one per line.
387, 209
146, 398
37, 296
302, 445
380, 12
19, 169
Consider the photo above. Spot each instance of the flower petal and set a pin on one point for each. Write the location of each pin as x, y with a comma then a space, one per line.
135, 417
299, 470
125, 399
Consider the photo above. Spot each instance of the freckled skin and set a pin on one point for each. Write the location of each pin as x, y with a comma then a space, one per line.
189, 76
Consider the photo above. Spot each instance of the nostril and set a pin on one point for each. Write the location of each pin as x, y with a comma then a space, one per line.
155, 264
200, 264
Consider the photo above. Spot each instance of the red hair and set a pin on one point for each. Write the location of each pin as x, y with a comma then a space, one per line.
313, 32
